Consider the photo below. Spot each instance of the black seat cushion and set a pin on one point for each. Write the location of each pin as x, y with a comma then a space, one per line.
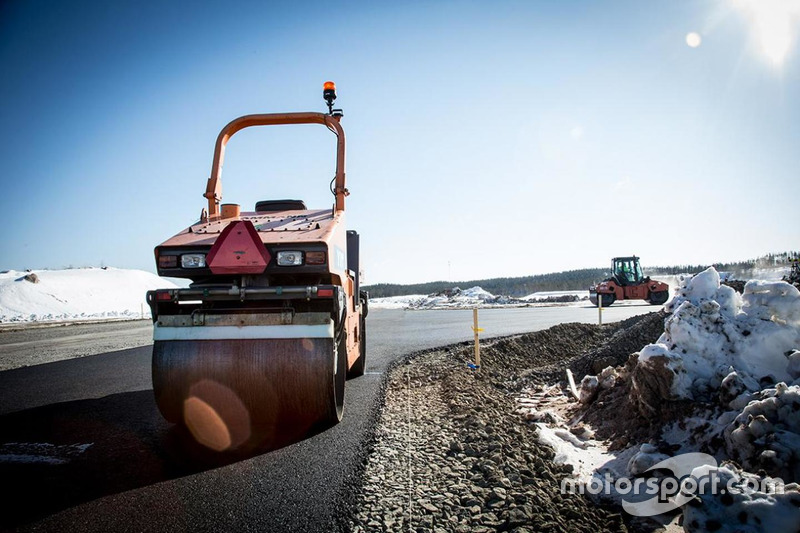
269, 206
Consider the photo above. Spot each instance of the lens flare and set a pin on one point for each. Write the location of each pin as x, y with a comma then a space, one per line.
216, 416
206, 425
774, 25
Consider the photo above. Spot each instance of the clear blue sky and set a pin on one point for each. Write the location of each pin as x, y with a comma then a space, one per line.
501, 138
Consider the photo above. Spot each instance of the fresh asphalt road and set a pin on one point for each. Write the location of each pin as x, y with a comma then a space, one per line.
142, 474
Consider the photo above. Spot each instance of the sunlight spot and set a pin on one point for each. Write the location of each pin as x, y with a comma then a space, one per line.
693, 39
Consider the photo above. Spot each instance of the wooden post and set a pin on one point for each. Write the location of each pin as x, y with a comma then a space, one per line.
599, 309
476, 329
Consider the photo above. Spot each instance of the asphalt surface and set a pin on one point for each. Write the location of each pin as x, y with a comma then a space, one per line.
142, 474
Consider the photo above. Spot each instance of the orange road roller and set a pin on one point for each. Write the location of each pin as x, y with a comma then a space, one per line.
272, 324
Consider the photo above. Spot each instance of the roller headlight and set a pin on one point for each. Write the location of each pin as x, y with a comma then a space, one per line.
193, 260
290, 258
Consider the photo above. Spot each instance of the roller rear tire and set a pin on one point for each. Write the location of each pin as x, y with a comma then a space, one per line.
608, 299
658, 297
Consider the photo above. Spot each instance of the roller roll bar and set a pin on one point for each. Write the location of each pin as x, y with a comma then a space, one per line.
214, 187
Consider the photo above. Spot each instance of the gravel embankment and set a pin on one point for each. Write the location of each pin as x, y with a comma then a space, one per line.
450, 454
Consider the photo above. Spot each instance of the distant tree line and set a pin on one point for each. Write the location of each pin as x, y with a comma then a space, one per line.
517, 287
571, 279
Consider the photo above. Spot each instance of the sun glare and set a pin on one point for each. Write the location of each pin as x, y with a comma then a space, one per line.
774, 24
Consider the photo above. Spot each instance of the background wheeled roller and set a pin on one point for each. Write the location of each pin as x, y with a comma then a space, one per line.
628, 282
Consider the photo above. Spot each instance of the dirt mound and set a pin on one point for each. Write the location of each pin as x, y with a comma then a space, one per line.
556, 345
630, 336
584, 348
604, 413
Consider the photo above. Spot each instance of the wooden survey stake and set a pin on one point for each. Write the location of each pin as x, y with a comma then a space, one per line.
476, 329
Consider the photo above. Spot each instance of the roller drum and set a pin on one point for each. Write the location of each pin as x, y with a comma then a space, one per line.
230, 393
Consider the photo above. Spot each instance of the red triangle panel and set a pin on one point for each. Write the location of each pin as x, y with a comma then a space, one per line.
238, 250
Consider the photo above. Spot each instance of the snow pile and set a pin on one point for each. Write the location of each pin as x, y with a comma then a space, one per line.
457, 298
543, 295
714, 332
476, 293
736, 354
454, 298
723, 379
753, 505
396, 302
76, 294
765, 435
557, 296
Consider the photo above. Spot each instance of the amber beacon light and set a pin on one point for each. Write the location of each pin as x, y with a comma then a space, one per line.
329, 94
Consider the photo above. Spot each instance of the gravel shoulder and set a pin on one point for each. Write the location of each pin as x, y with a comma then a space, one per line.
451, 454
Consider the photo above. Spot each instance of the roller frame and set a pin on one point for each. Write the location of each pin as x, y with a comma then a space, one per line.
253, 351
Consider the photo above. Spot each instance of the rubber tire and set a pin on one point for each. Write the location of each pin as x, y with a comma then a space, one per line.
358, 368
658, 297
608, 299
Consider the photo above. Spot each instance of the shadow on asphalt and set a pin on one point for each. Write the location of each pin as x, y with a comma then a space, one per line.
45, 466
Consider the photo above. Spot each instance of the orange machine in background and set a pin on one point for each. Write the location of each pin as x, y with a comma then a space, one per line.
627, 282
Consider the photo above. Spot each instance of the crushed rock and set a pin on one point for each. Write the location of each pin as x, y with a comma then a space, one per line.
451, 452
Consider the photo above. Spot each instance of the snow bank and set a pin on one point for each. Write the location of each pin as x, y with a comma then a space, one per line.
736, 359
76, 294
713, 332
396, 302
738, 356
